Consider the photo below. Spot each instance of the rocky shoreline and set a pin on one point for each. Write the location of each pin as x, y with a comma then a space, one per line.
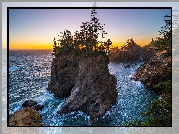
133, 52
154, 70
125, 55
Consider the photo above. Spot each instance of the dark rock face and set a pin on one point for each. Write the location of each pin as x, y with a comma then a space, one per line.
25, 117
154, 71
95, 89
29, 103
63, 74
32, 104
38, 107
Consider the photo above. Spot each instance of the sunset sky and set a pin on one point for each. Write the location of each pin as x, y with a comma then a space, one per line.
36, 28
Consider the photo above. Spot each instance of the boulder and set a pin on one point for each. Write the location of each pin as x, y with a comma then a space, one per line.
25, 117
29, 103
95, 90
127, 66
32, 104
38, 107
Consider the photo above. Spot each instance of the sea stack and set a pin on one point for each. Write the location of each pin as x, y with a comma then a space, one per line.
94, 88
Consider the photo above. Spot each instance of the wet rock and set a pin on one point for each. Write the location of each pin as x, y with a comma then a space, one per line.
25, 117
29, 103
38, 107
64, 70
133, 78
32, 104
95, 90
127, 66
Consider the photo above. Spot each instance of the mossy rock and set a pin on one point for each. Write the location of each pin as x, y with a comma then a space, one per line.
25, 117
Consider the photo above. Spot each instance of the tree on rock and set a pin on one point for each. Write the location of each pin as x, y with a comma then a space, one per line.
85, 40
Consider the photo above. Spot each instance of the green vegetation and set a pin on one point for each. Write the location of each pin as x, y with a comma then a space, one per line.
164, 43
159, 113
84, 42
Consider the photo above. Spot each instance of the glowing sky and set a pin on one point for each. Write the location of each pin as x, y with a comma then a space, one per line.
36, 28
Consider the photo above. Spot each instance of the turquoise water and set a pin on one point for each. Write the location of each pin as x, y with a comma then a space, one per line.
29, 74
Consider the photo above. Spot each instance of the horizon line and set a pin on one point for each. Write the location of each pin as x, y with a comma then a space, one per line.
26, 49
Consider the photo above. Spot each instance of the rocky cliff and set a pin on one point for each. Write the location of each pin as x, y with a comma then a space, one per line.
95, 89
64, 70
87, 82
155, 70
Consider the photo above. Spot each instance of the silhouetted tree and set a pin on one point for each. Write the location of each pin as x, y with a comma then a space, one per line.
88, 36
84, 40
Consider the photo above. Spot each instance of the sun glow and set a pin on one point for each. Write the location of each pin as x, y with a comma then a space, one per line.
26, 46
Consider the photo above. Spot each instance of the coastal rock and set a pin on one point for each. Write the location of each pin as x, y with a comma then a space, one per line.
154, 70
38, 107
32, 104
29, 103
63, 75
127, 66
25, 117
132, 52
95, 89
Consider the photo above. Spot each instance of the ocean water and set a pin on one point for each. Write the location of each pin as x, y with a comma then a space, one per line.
29, 74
